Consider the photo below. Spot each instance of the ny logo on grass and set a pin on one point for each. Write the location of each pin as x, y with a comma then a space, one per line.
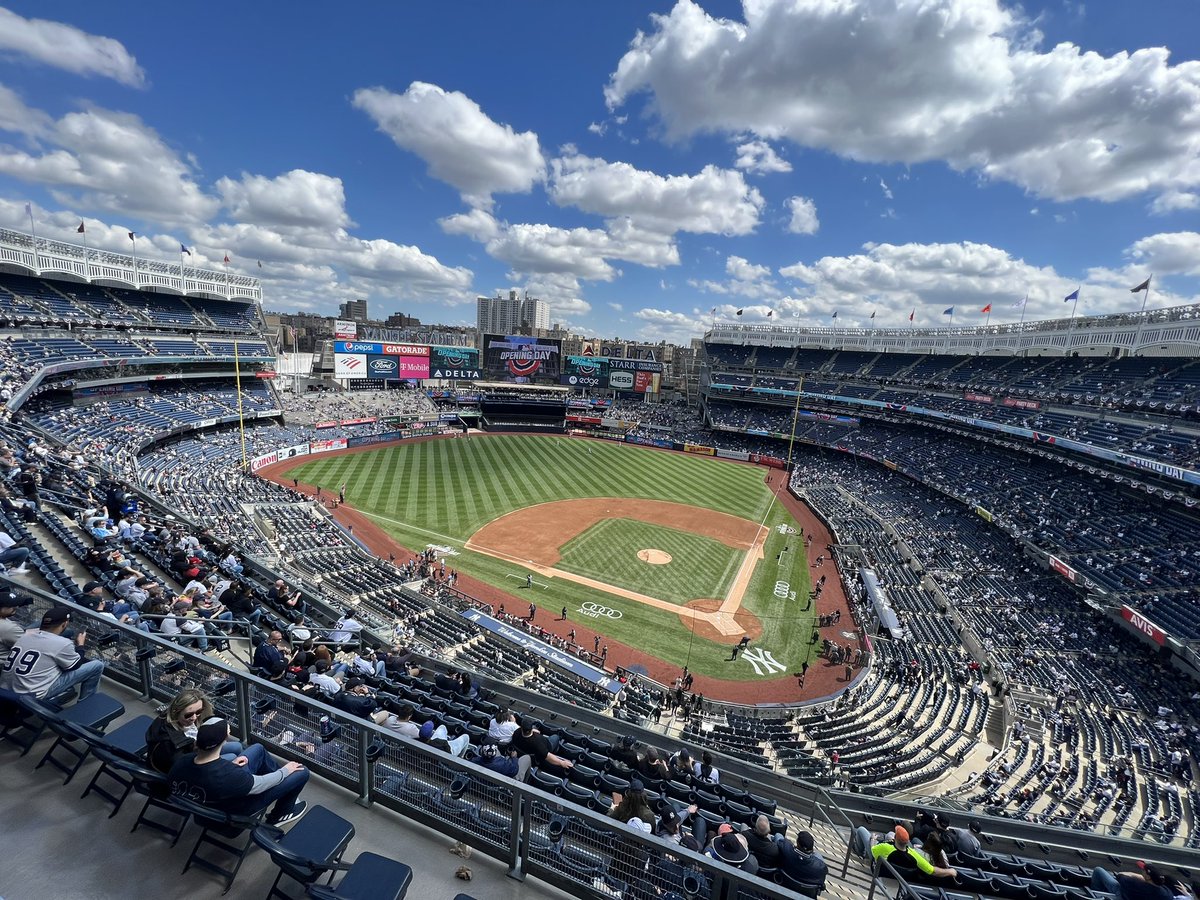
759, 657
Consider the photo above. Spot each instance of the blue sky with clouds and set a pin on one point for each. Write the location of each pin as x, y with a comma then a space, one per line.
636, 164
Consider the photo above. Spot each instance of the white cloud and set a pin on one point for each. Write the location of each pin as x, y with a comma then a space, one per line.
18, 118
803, 215
458, 141
896, 278
745, 279
112, 161
598, 128
715, 201
616, 307
962, 81
759, 156
66, 47
1173, 201
297, 198
887, 191
668, 325
1171, 253
478, 224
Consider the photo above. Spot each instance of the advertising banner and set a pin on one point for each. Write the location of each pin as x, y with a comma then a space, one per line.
978, 398
521, 359
734, 454
458, 363
648, 442
369, 421
1063, 569
330, 424
585, 420
1144, 625
345, 330
983, 513
773, 461
585, 371
326, 446
1021, 404
367, 439
349, 365
699, 449
265, 460
290, 452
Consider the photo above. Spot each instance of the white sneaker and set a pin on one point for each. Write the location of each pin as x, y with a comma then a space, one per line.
20, 570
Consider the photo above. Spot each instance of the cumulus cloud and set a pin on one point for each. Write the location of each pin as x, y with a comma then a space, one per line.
297, 198
759, 156
897, 278
1174, 201
67, 47
964, 81
714, 201
461, 145
745, 279
669, 325
803, 215
478, 224
1172, 253
107, 160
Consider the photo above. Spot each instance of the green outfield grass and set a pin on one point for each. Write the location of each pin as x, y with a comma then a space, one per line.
699, 567
441, 492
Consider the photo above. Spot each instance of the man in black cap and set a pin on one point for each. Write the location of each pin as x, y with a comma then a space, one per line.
801, 863
93, 593
47, 665
10, 631
244, 786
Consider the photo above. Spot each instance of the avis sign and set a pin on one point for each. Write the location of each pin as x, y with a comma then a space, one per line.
1144, 625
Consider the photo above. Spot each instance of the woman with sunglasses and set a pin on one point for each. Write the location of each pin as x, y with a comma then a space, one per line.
173, 733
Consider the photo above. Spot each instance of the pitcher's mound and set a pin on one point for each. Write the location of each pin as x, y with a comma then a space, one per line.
654, 557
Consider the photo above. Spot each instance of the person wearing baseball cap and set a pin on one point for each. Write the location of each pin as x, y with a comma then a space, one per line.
801, 863
243, 786
1147, 883
10, 631
900, 853
47, 665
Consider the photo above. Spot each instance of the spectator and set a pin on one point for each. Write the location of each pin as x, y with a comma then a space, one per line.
269, 658
502, 727
631, 804
535, 749
47, 665
762, 844
400, 721
10, 631
802, 862
173, 733
1145, 884
704, 771
12, 556
731, 848
439, 738
901, 855
495, 759
244, 786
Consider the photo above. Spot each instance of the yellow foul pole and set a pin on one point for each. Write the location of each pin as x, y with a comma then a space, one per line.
237, 369
795, 418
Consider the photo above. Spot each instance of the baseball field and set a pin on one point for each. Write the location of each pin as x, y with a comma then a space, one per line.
677, 555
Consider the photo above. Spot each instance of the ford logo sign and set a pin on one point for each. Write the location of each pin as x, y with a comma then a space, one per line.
384, 366
621, 380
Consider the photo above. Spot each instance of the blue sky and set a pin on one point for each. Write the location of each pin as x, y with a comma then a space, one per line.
635, 164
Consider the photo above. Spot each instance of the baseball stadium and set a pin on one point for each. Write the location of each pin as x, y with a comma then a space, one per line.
814, 583
840, 578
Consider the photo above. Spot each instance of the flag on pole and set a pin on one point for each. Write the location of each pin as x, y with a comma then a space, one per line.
1144, 286
770, 312
739, 312
872, 314
183, 249
28, 210
132, 235
226, 259
260, 265
712, 313
1020, 304
948, 311
80, 229
1074, 295
834, 316
987, 309
911, 314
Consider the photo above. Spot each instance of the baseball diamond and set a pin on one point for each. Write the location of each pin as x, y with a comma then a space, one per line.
578, 515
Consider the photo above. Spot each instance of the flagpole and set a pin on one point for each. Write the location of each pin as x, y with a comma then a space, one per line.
87, 256
1075, 305
182, 277
227, 294
1024, 303
37, 257
1146, 299
988, 320
133, 243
